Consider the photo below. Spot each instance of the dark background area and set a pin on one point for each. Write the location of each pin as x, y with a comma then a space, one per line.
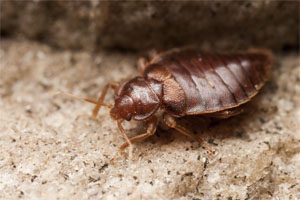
213, 25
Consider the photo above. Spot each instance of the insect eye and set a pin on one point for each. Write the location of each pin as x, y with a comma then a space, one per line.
128, 117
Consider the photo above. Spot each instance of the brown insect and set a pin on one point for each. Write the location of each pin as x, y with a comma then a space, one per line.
185, 82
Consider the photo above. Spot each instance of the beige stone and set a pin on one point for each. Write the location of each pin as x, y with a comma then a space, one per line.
51, 148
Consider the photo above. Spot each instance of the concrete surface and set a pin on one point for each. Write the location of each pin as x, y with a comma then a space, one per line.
91, 24
50, 148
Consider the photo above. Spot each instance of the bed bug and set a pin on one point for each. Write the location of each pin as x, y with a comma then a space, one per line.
183, 82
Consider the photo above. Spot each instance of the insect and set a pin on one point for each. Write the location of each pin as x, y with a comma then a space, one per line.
184, 82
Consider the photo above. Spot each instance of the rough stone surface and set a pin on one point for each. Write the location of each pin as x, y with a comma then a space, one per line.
147, 25
50, 147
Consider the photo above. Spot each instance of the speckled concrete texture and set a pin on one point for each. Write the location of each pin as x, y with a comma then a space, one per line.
139, 25
50, 148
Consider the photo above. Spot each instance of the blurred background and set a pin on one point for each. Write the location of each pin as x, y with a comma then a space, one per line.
131, 25
50, 148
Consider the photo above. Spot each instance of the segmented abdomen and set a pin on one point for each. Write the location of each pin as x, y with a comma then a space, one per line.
217, 82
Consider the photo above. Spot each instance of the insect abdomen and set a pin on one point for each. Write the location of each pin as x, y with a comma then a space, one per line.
217, 82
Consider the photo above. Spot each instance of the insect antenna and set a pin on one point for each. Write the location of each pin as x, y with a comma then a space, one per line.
87, 99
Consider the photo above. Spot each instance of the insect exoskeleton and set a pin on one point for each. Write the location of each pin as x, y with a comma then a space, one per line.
184, 82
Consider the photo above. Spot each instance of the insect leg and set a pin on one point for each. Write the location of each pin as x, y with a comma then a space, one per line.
171, 123
121, 129
143, 62
101, 98
142, 65
150, 131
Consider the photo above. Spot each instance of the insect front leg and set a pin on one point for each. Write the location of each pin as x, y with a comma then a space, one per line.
101, 98
152, 124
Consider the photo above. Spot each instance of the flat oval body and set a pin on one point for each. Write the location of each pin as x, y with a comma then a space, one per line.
198, 83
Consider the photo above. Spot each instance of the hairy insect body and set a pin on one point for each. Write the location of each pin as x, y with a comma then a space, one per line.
195, 83
187, 82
